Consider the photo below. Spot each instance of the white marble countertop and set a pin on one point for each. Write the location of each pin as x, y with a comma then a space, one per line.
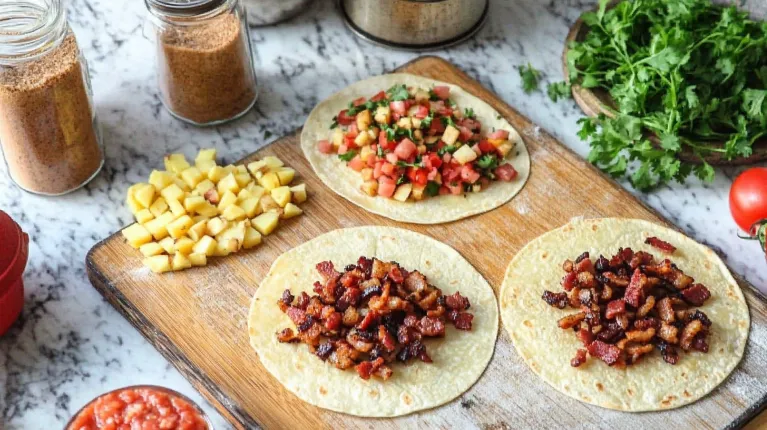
70, 345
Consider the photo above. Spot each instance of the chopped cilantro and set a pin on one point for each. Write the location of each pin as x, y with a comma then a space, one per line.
448, 148
380, 151
432, 189
447, 120
426, 122
487, 162
530, 78
401, 180
334, 124
348, 155
469, 113
433, 96
398, 93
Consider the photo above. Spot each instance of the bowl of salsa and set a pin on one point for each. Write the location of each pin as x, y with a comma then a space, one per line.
143, 407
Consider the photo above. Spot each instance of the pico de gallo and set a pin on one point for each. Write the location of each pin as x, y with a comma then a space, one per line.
410, 143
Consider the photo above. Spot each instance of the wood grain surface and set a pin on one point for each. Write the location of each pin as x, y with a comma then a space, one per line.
595, 101
197, 318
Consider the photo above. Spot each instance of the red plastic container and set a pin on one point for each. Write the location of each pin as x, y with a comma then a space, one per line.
14, 252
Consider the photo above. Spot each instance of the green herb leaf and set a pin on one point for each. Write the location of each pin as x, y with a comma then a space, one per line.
447, 149
426, 122
348, 155
402, 179
468, 113
398, 93
334, 124
432, 189
530, 78
447, 120
559, 90
487, 162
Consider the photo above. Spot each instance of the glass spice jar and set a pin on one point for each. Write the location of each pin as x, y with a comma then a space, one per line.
49, 133
204, 59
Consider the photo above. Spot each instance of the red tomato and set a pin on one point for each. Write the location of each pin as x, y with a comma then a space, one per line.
748, 198
359, 101
392, 158
386, 180
436, 127
476, 149
325, 147
386, 189
471, 124
353, 131
345, 119
506, 172
499, 134
398, 108
371, 161
378, 97
465, 133
343, 149
405, 149
486, 146
387, 169
349, 141
443, 190
421, 177
421, 112
357, 163
377, 170
384, 142
435, 160
468, 174
442, 91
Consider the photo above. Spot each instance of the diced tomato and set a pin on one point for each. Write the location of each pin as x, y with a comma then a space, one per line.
442, 91
433, 160
398, 107
344, 118
451, 173
421, 112
392, 158
386, 189
357, 163
349, 142
378, 97
447, 157
343, 149
387, 169
455, 188
506, 172
499, 134
420, 177
384, 142
433, 174
353, 130
443, 190
468, 174
360, 101
476, 149
437, 106
325, 146
405, 149
466, 134
371, 161
471, 124
436, 127
486, 147
408, 104
377, 170
484, 182
386, 180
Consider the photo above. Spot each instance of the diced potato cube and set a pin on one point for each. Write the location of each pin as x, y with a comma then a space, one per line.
192, 203
143, 216
181, 184
198, 230
243, 179
363, 120
227, 247
252, 238
269, 181
205, 167
338, 138
240, 168
406, 123
151, 249
145, 195
286, 175
172, 192
299, 192
158, 263
365, 152
367, 174
216, 226
228, 183
230, 168
198, 218
267, 203
159, 207
158, 227
505, 148
212, 196
256, 191
207, 210
363, 139
133, 204
418, 192
370, 187
243, 195
176, 208
233, 213
251, 207
169, 245
216, 174
497, 142
418, 134
228, 199
179, 227
281, 195
450, 136
465, 154
180, 262
137, 235
291, 211
206, 246
204, 186
235, 231
422, 149
266, 222
383, 115
257, 166
160, 179
403, 192
176, 163
184, 245
198, 259
206, 154
273, 162
192, 176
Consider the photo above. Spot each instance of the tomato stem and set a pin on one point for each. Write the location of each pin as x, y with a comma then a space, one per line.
758, 232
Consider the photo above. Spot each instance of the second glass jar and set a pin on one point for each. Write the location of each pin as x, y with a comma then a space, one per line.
204, 59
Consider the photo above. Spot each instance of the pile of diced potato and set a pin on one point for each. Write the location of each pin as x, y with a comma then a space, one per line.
186, 213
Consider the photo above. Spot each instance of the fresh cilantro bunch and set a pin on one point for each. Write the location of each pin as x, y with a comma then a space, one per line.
691, 73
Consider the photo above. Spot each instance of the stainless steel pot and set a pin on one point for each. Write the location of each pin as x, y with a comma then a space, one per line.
415, 24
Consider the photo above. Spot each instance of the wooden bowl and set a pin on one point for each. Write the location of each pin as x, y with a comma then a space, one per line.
593, 101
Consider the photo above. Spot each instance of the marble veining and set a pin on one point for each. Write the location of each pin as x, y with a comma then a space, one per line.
70, 345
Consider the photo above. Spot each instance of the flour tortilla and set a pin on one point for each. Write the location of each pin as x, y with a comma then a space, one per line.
459, 358
651, 384
346, 182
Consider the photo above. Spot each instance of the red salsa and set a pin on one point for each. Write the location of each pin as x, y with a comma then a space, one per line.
142, 408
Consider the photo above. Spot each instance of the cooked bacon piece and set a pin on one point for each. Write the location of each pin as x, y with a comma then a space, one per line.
415, 282
406, 335
696, 295
350, 297
370, 318
463, 321
645, 309
380, 269
615, 308
623, 321
310, 335
315, 307
668, 352
587, 296
285, 301
570, 281
327, 270
660, 244
351, 278
640, 336
384, 372
688, 334
616, 281
434, 313
396, 274
558, 300
360, 340
621, 258
568, 266
303, 301
386, 339
365, 265
641, 258
585, 265
607, 293
458, 302
370, 288
610, 354
580, 358
296, 315
668, 333
587, 279
635, 352
365, 368
699, 342
324, 350
431, 327
571, 321
344, 355
584, 256
585, 336
333, 321
698, 315
602, 264
635, 292
286, 335
430, 300
665, 310
610, 332
668, 271
645, 323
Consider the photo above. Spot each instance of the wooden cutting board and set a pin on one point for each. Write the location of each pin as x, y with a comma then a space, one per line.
197, 318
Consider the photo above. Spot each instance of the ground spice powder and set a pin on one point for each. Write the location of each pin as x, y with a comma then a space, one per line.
205, 71
47, 129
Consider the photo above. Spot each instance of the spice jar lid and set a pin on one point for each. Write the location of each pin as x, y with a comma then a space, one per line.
183, 7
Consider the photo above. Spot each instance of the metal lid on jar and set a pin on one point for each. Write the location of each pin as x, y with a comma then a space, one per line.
183, 8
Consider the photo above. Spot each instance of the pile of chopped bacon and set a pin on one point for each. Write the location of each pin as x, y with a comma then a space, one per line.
630, 305
370, 315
